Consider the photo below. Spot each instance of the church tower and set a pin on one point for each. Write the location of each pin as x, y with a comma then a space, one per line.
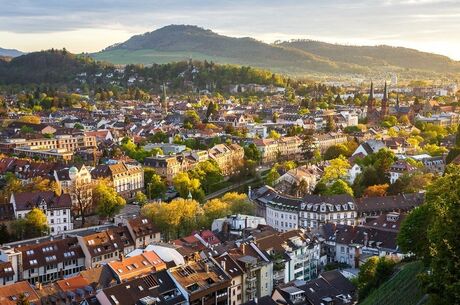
384, 110
370, 100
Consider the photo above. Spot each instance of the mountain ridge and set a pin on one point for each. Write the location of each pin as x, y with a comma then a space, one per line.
10, 52
174, 42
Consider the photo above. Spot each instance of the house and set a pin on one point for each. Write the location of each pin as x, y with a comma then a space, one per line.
75, 181
156, 288
143, 231
369, 147
298, 181
126, 179
297, 255
330, 287
9, 295
57, 208
202, 281
45, 261
235, 272
353, 244
229, 157
7, 274
400, 168
135, 266
106, 246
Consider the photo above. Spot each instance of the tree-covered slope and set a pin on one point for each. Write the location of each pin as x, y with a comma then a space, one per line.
302, 57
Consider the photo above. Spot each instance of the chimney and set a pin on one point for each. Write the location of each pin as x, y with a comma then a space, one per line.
256, 300
120, 256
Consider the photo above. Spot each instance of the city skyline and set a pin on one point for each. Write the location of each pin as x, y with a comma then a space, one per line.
84, 26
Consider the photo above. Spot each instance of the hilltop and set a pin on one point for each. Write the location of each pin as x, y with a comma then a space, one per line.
52, 66
300, 57
10, 53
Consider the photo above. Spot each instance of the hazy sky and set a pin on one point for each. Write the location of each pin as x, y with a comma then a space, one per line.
91, 25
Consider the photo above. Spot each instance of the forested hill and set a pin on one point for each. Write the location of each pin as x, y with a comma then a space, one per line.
59, 67
179, 42
52, 66
376, 56
10, 52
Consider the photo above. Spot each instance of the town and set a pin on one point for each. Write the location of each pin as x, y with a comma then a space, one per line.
211, 191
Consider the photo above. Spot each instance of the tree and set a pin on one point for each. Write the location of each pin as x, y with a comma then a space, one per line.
141, 198
156, 187
32, 119
81, 194
273, 134
186, 185
378, 190
208, 173
409, 238
108, 202
404, 120
159, 137
308, 145
214, 209
337, 169
272, 176
238, 203
374, 272
34, 224
191, 119
339, 187
252, 153
330, 124
177, 218
430, 233
335, 151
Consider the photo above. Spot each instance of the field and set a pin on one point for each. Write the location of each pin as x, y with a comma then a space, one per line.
402, 289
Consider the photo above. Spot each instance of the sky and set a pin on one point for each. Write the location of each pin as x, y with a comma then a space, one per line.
92, 25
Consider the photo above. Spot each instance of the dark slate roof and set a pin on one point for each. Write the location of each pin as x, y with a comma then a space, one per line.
30, 200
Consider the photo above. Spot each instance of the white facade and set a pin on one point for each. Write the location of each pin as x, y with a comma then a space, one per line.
282, 220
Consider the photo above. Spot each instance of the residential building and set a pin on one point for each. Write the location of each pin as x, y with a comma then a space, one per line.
106, 246
136, 266
57, 208
143, 231
9, 295
126, 179
202, 281
157, 288
45, 261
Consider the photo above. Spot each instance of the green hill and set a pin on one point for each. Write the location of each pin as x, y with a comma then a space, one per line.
377, 56
402, 289
179, 42
52, 67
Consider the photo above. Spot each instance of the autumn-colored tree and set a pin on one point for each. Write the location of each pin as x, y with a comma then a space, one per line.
177, 218
337, 169
32, 119
214, 209
107, 201
239, 203
378, 190
34, 224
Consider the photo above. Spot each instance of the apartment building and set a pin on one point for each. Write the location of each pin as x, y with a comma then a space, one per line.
228, 157
127, 179
57, 208
103, 247
46, 261
202, 281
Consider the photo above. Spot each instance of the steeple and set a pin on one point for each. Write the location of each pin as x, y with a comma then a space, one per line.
370, 99
384, 111
397, 102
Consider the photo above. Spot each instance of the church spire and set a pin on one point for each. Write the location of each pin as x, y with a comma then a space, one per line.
384, 110
370, 99
164, 100
397, 102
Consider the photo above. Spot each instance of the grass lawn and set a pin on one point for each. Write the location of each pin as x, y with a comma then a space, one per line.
402, 289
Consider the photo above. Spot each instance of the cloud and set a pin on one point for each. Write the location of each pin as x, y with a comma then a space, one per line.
47, 22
